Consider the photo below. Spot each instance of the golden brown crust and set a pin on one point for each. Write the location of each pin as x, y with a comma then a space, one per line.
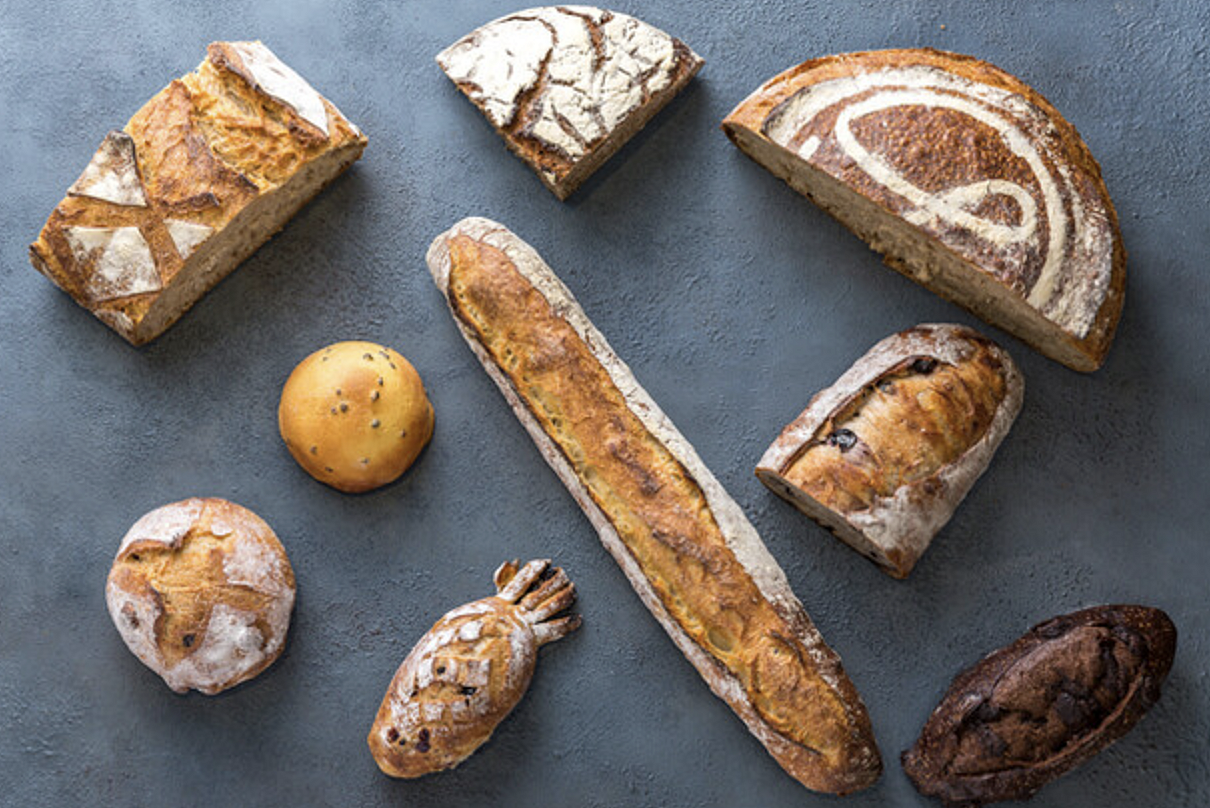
924, 149
355, 415
469, 671
885, 455
793, 694
201, 591
905, 426
206, 147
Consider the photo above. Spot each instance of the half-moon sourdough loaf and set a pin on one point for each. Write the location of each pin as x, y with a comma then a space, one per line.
201, 176
1029, 712
469, 671
567, 86
684, 544
883, 457
201, 591
968, 181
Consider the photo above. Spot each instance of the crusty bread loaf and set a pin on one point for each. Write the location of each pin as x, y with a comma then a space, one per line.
1033, 710
967, 180
884, 456
201, 591
469, 671
201, 176
685, 545
567, 86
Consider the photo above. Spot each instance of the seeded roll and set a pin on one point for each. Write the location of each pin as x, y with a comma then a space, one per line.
355, 415
884, 456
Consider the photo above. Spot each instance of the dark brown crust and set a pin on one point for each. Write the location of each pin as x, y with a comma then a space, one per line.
753, 113
1135, 646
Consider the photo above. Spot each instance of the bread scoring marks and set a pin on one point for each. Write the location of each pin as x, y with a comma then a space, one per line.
122, 264
264, 71
591, 69
113, 173
1074, 225
168, 525
187, 236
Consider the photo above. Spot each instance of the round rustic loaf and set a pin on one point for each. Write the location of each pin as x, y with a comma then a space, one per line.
201, 591
355, 416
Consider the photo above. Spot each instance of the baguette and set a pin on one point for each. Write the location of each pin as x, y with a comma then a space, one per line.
884, 456
201, 176
684, 544
966, 179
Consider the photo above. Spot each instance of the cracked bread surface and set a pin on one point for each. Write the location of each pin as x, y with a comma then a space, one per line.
567, 86
213, 165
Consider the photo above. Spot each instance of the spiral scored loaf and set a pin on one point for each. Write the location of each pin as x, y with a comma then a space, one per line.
201, 591
966, 179
201, 176
686, 547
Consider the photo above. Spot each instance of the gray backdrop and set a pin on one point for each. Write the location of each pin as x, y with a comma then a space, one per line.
732, 298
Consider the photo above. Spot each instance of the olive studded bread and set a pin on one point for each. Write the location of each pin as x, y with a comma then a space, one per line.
688, 550
201, 176
885, 455
967, 180
567, 86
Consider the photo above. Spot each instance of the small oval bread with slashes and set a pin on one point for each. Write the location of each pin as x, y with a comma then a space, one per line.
1033, 710
883, 457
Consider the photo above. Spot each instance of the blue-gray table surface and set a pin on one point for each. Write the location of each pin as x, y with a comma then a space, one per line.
732, 298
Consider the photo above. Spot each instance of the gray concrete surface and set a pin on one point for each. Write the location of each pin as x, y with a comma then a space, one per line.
731, 297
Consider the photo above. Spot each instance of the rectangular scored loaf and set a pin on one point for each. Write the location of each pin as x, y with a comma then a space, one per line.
207, 171
686, 547
884, 456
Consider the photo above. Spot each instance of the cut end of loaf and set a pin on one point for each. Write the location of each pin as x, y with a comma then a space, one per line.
965, 179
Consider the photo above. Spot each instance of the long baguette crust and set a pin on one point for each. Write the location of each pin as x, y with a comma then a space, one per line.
202, 175
884, 456
684, 544
966, 179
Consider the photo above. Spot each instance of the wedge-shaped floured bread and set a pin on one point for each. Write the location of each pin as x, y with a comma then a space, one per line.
967, 180
687, 548
201, 176
567, 86
884, 456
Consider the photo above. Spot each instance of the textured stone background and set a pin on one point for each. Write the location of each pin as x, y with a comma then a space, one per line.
732, 298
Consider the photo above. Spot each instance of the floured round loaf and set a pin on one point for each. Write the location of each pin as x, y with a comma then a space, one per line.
567, 86
201, 176
201, 591
967, 180
884, 456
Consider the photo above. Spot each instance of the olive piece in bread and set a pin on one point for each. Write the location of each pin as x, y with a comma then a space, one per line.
355, 415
